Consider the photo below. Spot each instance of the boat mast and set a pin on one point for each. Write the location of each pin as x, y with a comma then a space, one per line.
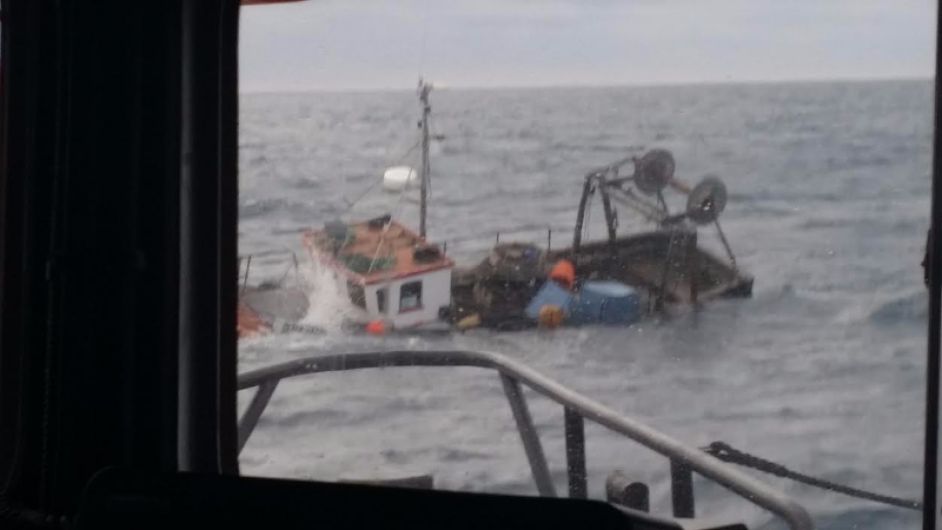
424, 89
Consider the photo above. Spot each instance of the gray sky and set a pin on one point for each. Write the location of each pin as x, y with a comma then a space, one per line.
367, 44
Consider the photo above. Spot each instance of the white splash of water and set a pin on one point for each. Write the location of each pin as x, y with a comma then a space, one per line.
329, 305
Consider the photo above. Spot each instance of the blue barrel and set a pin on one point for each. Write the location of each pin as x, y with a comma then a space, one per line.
550, 294
605, 302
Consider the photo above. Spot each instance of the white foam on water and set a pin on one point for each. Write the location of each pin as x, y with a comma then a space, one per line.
329, 304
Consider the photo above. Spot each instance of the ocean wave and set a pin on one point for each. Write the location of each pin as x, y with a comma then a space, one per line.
254, 208
909, 308
259, 207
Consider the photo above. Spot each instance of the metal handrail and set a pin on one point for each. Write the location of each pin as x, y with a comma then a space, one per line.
513, 373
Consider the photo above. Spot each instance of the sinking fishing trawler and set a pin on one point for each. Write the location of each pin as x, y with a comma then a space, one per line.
402, 281
621, 278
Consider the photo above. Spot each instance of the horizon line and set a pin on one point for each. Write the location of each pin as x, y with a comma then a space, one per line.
563, 86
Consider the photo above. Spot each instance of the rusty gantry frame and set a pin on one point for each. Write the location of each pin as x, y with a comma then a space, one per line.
653, 173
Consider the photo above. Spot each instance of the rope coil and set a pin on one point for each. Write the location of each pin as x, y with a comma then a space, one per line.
729, 454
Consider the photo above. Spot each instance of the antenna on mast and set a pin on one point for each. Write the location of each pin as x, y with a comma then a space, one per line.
424, 89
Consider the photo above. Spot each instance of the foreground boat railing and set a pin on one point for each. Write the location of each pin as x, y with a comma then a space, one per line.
684, 459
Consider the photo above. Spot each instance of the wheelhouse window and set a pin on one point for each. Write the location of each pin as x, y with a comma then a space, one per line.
410, 296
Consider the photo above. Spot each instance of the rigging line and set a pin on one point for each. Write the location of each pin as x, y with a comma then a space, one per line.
648, 211
729, 250
371, 187
382, 236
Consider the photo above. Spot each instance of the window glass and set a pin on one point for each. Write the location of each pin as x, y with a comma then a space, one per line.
708, 217
410, 296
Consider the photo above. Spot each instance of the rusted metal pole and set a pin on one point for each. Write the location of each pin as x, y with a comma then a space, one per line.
729, 250
611, 221
580, 215
682, 187
424, 89
693, 267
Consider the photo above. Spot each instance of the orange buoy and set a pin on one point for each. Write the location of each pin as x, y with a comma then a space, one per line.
564, 273
376, 327
550, 316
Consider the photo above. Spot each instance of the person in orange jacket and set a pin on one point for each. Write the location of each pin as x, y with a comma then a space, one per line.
564, 273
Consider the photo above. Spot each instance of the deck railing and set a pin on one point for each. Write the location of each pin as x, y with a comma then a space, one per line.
684, 459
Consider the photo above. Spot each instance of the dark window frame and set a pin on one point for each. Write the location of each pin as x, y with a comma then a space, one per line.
382, 299
419, 303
